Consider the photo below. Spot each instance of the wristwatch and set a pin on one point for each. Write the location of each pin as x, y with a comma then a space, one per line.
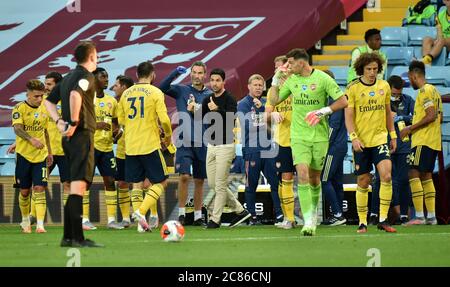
73, 123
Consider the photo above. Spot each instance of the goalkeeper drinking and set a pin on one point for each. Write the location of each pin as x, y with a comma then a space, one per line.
310, 89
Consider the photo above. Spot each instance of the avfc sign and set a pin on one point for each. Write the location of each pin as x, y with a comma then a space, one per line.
123, 43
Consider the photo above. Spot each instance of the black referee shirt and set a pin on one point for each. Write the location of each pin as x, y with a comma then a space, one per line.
82, 81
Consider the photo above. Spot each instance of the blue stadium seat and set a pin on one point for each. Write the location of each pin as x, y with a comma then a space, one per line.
446, 131
55, 171
436, 75
446, 110
394, 36
443, 90
446, 151
401, 71
340, 75
7, 135
398, 55
410, 92
417, 33
439, 61
8, 169
4, 157
348, 167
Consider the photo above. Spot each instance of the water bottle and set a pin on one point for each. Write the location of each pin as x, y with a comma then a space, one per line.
172, 148
401, 126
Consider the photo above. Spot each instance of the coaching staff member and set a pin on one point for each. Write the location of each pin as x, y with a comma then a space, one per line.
77, 125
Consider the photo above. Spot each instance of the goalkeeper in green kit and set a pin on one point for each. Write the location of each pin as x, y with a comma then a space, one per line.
310, 90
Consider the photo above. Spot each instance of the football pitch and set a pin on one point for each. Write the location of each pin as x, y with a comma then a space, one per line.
238, 247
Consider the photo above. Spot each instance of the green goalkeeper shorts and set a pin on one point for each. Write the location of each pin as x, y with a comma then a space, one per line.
309, 153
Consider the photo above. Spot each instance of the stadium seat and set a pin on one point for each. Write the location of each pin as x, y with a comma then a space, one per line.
443, 90
55, 171
446, 110
7, 135
394, 36
398, 55
439, 61
410, 92
446, 131
401, 71
436, 75
417, 33
8, 169
4, 157
349, 155
348, 167
340, 75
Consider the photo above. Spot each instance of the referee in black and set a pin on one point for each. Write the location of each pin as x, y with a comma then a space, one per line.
77, 125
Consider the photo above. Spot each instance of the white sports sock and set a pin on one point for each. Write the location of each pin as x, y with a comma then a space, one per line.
181, 211
197, 214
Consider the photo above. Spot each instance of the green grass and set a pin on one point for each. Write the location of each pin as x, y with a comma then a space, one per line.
241, 246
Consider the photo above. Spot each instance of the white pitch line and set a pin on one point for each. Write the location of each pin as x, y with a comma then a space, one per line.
300, 237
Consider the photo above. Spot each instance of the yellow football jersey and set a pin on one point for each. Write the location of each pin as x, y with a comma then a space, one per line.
369, 105
54, 134
140, 108
34, 121
429, 135
283, 129
105, 111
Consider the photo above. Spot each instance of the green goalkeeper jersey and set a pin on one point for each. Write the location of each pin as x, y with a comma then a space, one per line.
309, 94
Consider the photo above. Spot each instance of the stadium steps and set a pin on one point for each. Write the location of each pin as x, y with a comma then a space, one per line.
359, 28
346, 40
397, 3
331, 60
322, 68
389, 14
338, 50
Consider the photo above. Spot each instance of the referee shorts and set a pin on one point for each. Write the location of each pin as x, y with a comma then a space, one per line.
79, 150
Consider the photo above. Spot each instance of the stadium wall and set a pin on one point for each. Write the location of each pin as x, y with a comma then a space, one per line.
242, 37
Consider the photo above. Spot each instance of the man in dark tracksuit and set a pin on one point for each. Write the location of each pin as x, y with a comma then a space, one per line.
332, 172
191, 151
403, 106
251, 118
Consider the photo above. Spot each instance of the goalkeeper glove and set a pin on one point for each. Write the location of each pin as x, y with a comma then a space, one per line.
313, 118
